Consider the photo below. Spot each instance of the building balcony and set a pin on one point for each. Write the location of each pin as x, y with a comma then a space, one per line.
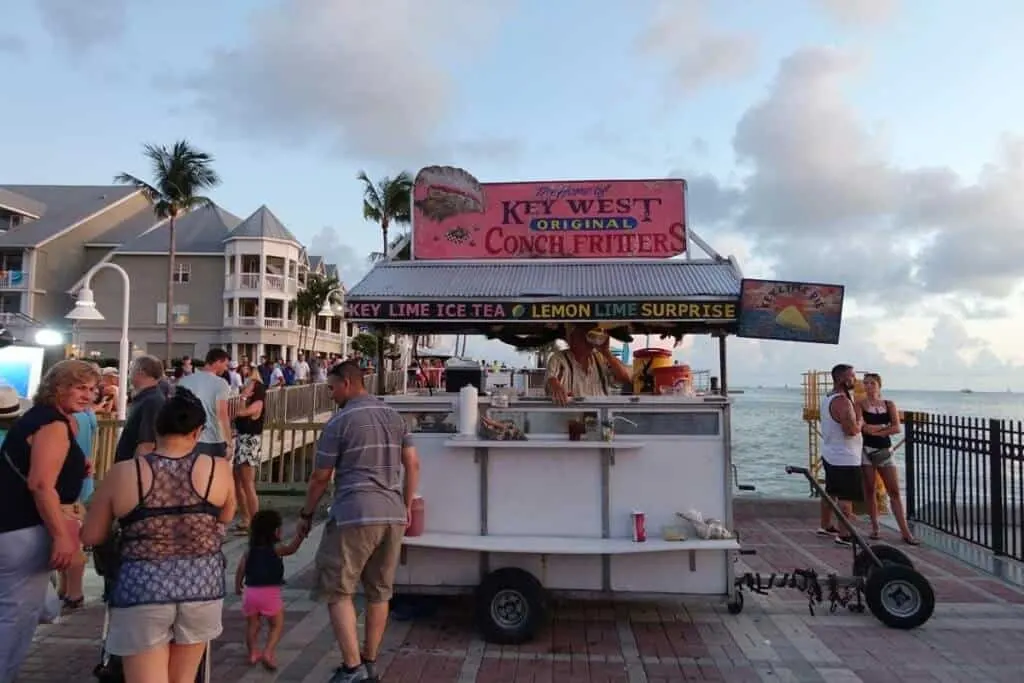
257, 322
13, 279
266, 283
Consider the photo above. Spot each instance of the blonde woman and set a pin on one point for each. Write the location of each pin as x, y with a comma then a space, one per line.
42, 468
249, 449
881, 421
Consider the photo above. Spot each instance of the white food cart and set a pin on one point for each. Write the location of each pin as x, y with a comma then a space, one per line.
515, 521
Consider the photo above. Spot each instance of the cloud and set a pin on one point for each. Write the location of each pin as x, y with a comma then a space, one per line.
79, 26
12, 44
978, 243
352, 266
696, 54
860, 12
821, 199
709, 203
373, 80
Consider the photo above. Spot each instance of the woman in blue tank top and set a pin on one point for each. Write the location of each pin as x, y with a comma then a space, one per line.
172, 505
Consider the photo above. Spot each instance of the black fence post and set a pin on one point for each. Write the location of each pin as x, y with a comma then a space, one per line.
995, 487
911, 466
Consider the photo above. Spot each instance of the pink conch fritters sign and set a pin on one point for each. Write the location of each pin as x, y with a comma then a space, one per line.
457, 217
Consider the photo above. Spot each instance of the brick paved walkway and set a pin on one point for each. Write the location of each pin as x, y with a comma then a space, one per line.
976, 635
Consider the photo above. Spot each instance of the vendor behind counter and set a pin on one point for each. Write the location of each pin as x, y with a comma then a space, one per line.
587, 368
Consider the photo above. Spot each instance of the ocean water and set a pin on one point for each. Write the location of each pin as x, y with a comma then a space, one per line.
768, 431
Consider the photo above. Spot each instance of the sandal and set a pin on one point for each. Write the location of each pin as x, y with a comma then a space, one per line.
911, 541
875, 536
73, 603
269, 662
255, 657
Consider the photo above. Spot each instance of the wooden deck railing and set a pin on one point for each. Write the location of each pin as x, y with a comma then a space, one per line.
294, 417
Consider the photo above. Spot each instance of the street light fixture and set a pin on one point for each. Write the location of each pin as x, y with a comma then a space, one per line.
327, 311
85, 309
47, 337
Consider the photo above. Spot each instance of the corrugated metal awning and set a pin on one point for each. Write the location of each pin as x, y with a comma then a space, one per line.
611, 280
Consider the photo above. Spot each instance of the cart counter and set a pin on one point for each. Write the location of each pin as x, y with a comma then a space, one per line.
562, 509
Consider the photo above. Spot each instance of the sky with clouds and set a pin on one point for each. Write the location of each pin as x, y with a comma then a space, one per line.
873, 143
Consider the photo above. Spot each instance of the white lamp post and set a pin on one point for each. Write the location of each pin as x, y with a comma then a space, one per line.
85, 309
327, 312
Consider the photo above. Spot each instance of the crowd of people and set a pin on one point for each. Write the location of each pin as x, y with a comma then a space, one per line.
182, 480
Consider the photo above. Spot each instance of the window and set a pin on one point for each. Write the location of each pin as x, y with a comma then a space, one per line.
180, 314
694, 423
182, 273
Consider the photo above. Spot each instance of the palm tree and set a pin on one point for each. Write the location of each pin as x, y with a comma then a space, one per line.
311, 299
305, 309
387, 202
181, 174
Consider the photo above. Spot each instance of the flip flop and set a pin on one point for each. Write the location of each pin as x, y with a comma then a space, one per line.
255, 657
875, 536
911, 541
269, 662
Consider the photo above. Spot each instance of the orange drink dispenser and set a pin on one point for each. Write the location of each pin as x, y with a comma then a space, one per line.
645, 362
672, 378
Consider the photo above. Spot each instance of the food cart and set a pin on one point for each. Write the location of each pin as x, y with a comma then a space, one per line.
515, 521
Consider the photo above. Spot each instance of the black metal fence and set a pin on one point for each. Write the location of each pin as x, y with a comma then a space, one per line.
965, 477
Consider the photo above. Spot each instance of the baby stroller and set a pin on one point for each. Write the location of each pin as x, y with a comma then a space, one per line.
109, 669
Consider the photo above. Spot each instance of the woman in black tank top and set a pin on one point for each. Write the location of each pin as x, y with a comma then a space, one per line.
41, 469
881, 421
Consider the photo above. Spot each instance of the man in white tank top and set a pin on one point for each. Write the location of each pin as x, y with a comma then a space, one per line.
842, 447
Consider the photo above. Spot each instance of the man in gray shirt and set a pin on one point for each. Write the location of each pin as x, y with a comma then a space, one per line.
210, 388
366, 449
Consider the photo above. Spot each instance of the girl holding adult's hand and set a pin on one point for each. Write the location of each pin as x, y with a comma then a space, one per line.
42, 469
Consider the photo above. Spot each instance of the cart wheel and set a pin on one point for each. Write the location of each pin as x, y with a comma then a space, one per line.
863, 566
899, 596
735, 606
511, 605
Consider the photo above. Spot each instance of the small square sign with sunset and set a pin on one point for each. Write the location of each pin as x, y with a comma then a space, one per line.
790, 311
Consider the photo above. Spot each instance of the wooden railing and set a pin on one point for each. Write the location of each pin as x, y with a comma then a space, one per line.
294, 417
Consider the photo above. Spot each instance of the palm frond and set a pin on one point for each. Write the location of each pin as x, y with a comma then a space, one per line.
371, 198
371, 213
180, 174
397, 193
151, 193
